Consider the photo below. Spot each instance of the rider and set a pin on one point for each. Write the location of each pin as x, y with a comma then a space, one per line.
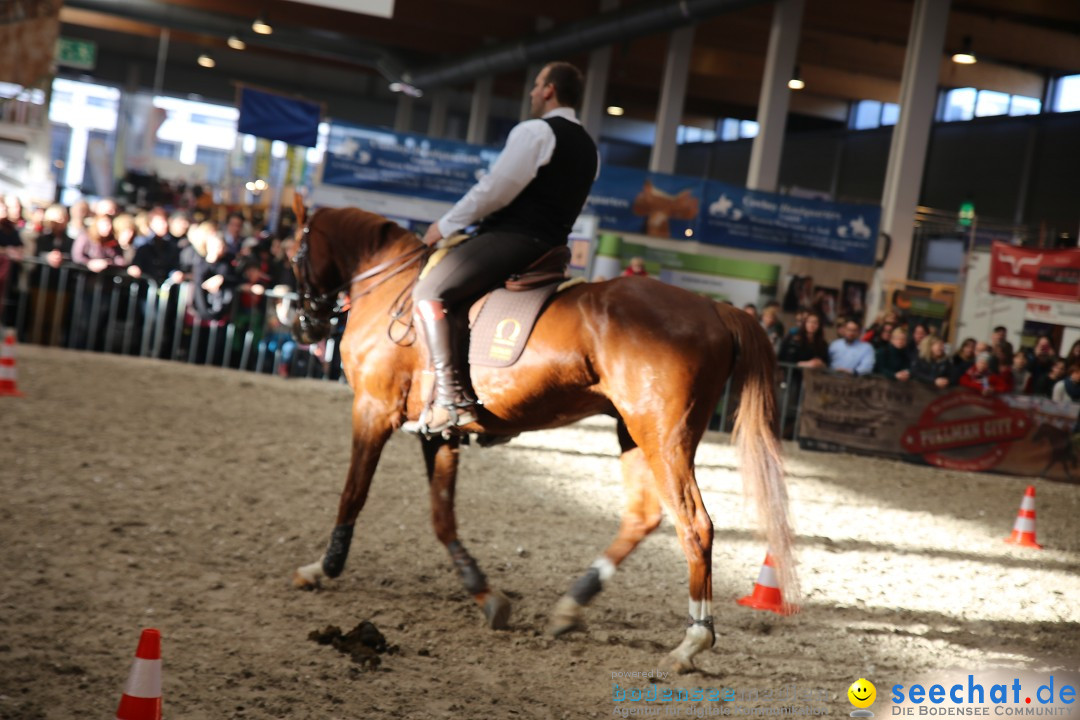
526, 206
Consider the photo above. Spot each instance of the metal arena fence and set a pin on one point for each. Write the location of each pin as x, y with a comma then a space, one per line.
71, 307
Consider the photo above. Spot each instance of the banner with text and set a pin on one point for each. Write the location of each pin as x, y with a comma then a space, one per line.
625, 199
957, 429
1035, 273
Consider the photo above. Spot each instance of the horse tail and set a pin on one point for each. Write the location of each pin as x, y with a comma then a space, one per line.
757, 436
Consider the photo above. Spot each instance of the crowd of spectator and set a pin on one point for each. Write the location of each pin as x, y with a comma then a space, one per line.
228, 265
912, 352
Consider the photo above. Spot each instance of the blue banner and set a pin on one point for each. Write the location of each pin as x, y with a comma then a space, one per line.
737, 217
276, 117
625, 200
647, 203
403, 163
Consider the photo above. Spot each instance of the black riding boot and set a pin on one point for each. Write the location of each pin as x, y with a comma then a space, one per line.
451, 406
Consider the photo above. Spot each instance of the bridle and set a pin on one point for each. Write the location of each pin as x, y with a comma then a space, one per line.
320, 309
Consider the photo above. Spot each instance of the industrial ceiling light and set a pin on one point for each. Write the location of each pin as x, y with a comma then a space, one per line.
236, 43
261, 26
796, 81
965, 56
615, 110
407, 89
206, 61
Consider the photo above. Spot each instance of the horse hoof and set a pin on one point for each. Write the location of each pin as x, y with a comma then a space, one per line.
307, 577
675, 663
497, 611
567, 617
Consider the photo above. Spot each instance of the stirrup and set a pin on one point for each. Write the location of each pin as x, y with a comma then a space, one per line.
442, 420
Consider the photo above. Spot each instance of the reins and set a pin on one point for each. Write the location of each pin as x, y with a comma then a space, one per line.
400, 307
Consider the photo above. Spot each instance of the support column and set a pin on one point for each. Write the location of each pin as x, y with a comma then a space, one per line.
531, 71
440, 101
596, 82
672, 97
775, 96
911, 137
403, 115
479, 111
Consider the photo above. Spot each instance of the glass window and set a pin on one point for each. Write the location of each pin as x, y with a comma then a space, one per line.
991, 103
959, 104
890, 114
729, 129
1067, 96
215, 160
166, 149
867, 115
1025, 105
748, 129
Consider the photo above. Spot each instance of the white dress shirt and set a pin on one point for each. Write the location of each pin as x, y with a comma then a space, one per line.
529, 147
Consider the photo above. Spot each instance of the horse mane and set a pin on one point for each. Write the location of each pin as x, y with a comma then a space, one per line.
364, 232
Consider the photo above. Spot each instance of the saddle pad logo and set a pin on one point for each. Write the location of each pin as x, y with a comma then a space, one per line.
507, 332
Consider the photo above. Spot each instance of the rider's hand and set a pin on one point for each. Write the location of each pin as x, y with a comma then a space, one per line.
433, 235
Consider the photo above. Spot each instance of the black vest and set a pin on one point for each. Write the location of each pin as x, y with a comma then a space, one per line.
548, 206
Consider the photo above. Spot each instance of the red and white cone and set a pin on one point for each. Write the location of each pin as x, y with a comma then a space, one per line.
766, 594
142, 696
1023, 533
8, 385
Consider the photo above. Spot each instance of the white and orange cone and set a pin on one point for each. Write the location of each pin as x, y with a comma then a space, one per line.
766, 594
142, 696
1023, 533
8, 386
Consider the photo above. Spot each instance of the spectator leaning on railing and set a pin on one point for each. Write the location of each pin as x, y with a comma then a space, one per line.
849, 354
1068, 388
807, 347
932, 364
981, 377
1043, 385
961, 361
892, 360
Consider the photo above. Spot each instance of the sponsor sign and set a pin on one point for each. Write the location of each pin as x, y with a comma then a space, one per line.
1034, 273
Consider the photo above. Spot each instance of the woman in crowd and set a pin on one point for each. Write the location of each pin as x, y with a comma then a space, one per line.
97, 247
892, 360
770, 320
981, 378
1021, 373
932, 364
807, 347
962, 361
919, 333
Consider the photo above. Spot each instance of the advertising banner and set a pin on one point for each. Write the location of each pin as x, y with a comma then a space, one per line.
624, 199
1035, 273
403, 163
737, 217
277, 117
957, 429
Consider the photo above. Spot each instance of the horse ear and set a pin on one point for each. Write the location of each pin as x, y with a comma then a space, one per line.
298, 209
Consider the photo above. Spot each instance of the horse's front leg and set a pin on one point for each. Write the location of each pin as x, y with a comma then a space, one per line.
371, 429
441, 458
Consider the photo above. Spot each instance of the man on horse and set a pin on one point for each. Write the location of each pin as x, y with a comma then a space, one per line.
526, 206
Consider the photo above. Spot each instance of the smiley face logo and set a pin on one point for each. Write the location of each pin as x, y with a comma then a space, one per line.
862, 693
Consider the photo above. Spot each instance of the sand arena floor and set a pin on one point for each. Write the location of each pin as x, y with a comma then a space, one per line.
140, 493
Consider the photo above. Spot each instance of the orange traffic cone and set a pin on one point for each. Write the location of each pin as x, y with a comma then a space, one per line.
7, 366
1023, 533
766, 594
142, 696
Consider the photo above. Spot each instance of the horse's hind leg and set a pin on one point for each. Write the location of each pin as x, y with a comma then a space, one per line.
641, 516
441, 458
369, 437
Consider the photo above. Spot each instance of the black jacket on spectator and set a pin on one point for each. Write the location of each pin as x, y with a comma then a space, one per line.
214, 306
890, 361
9, 234
47, 242
157, 257
796, 349
958, 368
1043, 385
928, 371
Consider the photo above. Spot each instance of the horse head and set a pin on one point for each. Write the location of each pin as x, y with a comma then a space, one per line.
312, 266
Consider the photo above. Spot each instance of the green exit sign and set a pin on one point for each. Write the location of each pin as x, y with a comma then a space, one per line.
79, 54
966, 214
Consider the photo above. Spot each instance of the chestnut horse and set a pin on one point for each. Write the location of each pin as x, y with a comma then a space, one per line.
654, 356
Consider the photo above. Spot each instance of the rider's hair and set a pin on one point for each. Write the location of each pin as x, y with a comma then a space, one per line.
568, 82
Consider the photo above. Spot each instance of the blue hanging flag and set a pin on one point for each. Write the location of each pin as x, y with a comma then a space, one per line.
277, 117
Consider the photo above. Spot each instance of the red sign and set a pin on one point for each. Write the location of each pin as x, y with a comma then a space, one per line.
965, 431
1031, 273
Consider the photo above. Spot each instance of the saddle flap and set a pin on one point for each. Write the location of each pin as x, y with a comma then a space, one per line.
504, 324
548, 268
